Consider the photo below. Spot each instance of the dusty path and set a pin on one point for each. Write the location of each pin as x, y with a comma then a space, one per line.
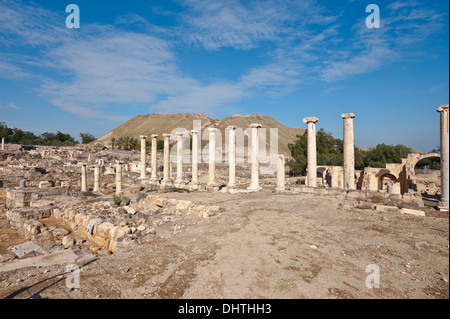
264, 245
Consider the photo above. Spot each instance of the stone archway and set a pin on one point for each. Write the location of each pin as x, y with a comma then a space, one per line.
410, 165
386, 180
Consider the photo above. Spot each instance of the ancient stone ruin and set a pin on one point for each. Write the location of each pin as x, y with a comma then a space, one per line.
103, 201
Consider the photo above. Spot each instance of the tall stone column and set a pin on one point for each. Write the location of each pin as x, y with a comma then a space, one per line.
179, 179
154, 176
231, 156
96, 178
444, 114
83, 178
143, 157
312, 150
280, 173
3, 143
212, 156
254, 180
166, 159
349, 152
194, 182
119, 178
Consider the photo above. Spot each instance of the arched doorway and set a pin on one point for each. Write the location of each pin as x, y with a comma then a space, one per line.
427, 178
386, 181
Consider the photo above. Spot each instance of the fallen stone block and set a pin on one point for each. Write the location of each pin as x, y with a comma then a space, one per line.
383, 208
25, 248
413, 212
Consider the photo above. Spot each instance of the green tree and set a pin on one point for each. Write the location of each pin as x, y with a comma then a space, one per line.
329, 152
382, 154
5, 131
87, 138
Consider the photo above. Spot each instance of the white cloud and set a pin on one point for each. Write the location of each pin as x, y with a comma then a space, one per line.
10, 106
245, 25
104, 68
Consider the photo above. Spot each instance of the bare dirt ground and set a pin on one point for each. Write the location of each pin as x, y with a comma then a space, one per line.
264, 245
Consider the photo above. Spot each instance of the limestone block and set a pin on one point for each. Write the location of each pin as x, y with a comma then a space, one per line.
413, 212
103, 229
157, 200
45, 184
183, 205
383, 208
67, 242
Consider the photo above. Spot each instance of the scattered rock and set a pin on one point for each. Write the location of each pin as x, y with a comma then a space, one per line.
68, 242
125, 201
130, 210
59, 232
413, 212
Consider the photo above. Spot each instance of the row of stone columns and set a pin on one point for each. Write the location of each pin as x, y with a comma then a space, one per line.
254, 183
349, 156
348, 167
349, 151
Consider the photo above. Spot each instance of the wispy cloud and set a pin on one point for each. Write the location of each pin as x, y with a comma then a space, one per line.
245, 25
400, 37
10, 106
108, 67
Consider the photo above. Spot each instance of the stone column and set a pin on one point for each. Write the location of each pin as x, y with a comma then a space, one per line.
179, 179
280, 173
212, 156
231, 156
194, 182
143, 156
3, 143
254, 181
349, 152
154, 177
444, 114
166, 158
96, 178
312, 150
83, 178
119, 178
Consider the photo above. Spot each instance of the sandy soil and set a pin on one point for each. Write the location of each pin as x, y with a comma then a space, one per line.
263, 245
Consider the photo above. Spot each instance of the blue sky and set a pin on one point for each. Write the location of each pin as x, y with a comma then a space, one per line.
286, 59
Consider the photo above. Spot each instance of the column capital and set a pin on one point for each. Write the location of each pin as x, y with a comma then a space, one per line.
154, 135
231, 127
442, 108
194, 132
255, 125
310, 119
143, 137
348, 116
212, 129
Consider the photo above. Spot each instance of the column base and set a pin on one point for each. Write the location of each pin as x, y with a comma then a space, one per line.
193, 186
254, 188
166, 183
443, 207
179, 184
280, 189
